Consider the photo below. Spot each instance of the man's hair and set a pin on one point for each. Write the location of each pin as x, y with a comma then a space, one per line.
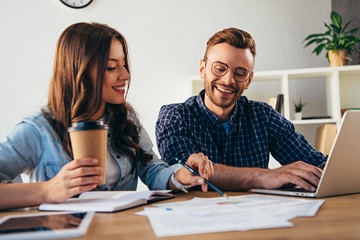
234, 37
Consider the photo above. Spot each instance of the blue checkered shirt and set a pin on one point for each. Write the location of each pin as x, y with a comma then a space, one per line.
255, 130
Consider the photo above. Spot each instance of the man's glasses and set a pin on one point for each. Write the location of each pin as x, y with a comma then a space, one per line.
219, 69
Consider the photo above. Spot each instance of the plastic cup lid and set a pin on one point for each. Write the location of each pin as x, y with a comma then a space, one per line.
87, 125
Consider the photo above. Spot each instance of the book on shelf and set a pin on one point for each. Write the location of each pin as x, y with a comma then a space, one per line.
325, 136
315, 117
272, 102
277, 102
107, 201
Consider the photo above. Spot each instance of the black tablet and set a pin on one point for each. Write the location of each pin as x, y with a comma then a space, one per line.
45, 225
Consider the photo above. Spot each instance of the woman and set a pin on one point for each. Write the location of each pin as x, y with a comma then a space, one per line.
90, 79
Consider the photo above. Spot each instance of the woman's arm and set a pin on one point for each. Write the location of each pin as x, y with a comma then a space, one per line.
77, 176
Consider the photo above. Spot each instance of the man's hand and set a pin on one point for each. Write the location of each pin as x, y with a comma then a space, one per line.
298, 173
202, 165
77, 176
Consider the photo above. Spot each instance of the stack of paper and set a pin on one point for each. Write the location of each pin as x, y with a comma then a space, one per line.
239, 213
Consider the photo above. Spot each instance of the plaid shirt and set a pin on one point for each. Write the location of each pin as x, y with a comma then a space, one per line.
256, 130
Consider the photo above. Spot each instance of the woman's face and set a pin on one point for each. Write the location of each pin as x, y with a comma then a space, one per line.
116, 75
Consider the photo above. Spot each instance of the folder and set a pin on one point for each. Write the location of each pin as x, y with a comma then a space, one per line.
325, 136
272, 102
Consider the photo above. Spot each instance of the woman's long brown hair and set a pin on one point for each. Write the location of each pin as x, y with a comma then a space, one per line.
73, 97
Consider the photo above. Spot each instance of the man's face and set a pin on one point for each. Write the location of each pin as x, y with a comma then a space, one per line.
223, 92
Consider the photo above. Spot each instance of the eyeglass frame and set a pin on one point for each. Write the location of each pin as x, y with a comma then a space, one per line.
227, 70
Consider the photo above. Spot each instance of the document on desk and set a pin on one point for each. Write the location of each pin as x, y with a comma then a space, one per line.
238, 213
174, 223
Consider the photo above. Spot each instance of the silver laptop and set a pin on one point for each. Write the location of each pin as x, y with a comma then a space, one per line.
341, 174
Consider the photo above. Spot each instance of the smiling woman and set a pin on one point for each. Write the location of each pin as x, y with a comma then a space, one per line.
89, 82
116, 77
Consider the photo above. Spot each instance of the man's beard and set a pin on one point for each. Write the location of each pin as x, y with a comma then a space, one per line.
209, 90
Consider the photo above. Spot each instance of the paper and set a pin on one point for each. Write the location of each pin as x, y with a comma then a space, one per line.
174, 222
238, 213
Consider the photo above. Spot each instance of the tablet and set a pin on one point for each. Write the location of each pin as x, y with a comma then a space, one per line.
45, 225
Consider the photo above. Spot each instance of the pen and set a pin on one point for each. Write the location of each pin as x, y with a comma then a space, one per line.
195, 173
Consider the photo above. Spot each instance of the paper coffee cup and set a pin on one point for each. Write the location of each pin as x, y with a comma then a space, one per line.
89, 140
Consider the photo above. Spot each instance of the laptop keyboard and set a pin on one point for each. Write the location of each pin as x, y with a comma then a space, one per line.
295, 189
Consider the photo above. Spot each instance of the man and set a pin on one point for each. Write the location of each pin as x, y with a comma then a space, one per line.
236, 134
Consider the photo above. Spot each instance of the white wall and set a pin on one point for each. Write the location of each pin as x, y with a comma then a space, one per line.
166, 39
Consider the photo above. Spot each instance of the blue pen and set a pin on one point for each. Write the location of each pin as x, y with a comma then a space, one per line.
195, 173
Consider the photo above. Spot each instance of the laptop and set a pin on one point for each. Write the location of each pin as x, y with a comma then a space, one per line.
341, 174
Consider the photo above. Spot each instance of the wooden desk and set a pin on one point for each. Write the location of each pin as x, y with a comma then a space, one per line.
338, 218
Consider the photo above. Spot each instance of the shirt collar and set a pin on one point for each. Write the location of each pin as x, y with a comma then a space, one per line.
210, 117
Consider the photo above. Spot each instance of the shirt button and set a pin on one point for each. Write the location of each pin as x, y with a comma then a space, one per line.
250, 152
224, 161
117, 156
203, 149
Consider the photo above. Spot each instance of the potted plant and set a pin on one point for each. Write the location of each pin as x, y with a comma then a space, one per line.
337, 40
298, 109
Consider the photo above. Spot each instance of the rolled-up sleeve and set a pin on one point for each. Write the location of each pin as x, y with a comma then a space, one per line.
156, 173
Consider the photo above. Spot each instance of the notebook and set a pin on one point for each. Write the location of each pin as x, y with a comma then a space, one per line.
45, 225
341, 173
107, 201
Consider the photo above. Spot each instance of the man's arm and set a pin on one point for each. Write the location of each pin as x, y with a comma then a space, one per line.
173, 137
174, 140
287, 145
235, 178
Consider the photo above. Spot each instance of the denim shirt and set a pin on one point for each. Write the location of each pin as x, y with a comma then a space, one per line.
33, 148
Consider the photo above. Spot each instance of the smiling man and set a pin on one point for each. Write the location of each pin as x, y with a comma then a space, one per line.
235, 133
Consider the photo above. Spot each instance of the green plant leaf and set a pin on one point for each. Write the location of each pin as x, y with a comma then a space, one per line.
341, 42
335, 38
352, 31
316, 40
346, 25
335, 28
336, 19
299, 106
314, 36
349, 44
319, 49
351, 38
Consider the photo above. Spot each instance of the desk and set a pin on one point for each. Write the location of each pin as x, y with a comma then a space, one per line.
338, 218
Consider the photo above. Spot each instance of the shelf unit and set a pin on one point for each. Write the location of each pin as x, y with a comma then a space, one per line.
326, 90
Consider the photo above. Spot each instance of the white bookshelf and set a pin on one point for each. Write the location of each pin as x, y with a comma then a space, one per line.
327, 90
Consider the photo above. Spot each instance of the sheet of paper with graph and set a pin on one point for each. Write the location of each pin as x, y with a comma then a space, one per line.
238, 213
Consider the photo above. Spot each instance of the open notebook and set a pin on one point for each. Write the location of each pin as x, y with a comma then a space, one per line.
107, 201
341, 174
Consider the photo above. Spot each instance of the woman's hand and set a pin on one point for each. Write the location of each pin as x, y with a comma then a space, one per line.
202, 165
77, 176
